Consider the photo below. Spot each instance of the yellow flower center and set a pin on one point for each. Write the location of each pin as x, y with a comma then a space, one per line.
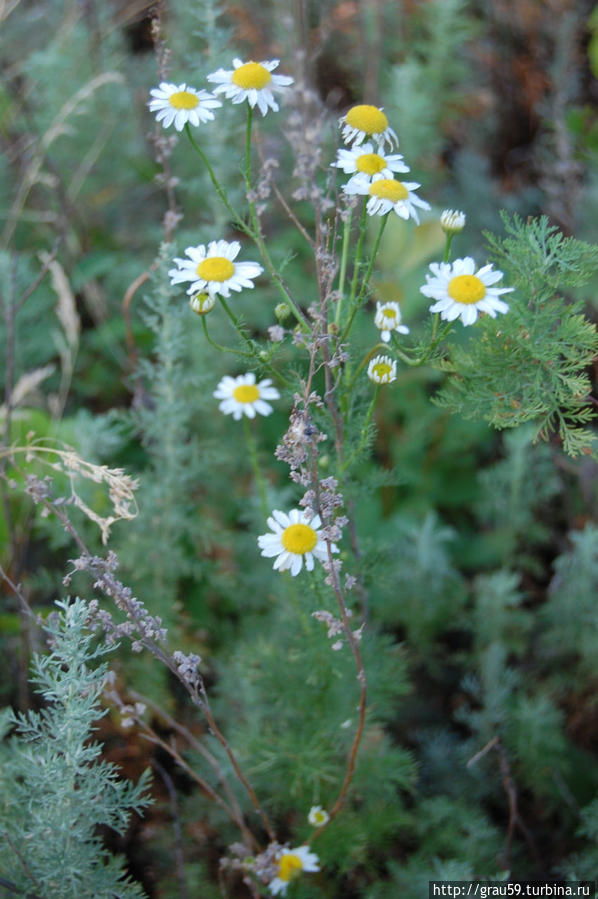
389, 189
183, 100
367, 118
389, 313
215, 268
290, 865
383, 370
466, 289
320, 817
298, 539
246, 393
370, 163
251, 76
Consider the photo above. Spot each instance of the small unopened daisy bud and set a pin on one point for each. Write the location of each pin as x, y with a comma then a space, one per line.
382, 370
202, 303
318, 816
452, 221
282, 311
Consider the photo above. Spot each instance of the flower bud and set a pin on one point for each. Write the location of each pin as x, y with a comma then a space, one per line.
452, 221
282, 311
202, 303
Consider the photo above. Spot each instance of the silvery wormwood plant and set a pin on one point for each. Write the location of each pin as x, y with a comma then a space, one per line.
54, 791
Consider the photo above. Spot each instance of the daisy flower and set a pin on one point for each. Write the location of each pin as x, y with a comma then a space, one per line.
181, 104
382, 370
291, 862
388, 318
367, 121
386, 194
251, 81
365, 161
318, 816
242, 396
294, 536
463, 292
213, 270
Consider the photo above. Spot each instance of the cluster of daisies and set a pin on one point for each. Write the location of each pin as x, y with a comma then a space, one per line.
213, 270
458, 289
372, 168
180, 104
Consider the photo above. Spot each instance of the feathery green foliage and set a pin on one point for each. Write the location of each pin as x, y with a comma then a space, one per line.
532, 364
54, 791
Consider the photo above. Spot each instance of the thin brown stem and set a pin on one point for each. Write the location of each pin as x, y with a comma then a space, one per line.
233, 760
176, 823
139, 281
16, 589
211, 759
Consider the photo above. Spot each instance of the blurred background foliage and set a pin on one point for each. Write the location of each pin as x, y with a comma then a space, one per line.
479, 548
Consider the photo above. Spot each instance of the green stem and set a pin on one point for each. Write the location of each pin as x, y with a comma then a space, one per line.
359, 250
248, 148
252, 351
366, 280
217, 187
435, 341
364, 430
343, 268
447, 247
217, 346
259, 479
254, 231
234, 319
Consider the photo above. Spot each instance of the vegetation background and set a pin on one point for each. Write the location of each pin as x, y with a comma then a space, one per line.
480, 547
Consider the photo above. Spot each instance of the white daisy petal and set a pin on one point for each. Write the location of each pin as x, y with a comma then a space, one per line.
262, 407
281, 517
